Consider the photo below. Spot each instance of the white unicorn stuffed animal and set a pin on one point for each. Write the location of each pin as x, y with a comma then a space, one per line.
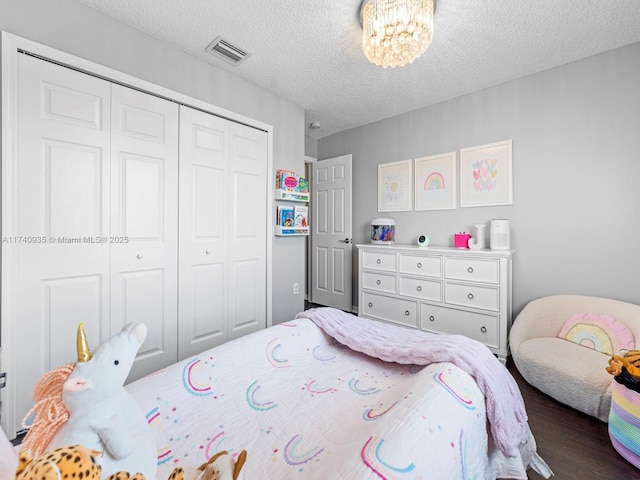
102, 415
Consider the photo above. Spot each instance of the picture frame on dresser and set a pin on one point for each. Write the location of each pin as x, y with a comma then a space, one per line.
486, 175
395, 186
436, 181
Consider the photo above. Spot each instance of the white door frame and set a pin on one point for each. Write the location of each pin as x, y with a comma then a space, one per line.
309, 161
11, 46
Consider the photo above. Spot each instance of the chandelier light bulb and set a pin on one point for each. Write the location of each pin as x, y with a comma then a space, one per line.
396, 32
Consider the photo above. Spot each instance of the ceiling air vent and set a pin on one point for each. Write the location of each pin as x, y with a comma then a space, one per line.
226, 51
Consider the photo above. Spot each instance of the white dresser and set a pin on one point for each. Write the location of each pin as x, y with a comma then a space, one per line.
439, 289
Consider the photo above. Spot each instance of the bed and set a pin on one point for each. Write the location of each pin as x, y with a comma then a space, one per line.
333, 396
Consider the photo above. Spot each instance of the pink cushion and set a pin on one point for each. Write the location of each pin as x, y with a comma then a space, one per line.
597, 332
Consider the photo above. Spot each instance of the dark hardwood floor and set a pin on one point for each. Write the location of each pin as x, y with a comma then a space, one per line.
574, 445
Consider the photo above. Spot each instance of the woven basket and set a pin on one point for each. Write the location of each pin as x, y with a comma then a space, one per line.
624, 422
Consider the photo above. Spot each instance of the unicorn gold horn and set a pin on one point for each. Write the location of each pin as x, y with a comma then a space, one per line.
84, 354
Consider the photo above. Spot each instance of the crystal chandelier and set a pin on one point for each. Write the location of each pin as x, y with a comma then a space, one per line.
396, 32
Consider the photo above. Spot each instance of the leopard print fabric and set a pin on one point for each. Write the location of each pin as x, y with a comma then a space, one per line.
65, 463
72, 462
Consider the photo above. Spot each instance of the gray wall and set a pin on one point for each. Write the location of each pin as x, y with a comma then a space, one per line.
310, 147
575, 220
78, 30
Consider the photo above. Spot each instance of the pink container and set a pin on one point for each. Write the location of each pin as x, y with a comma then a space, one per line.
461, 240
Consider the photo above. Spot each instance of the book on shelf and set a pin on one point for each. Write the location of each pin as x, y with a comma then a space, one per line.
301, 217
288, 181
285, 215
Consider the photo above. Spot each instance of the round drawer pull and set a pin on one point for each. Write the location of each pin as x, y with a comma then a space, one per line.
470, 269
407, 313
483, 329
419, 265
378, 261
207, 251
432, 318
378, 282
370, 304
470, 296
139, 256
419, 288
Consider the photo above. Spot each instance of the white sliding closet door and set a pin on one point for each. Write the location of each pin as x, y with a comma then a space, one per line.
144, 222
223, 224
60, 200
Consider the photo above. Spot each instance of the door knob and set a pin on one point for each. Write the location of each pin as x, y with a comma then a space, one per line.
346, 240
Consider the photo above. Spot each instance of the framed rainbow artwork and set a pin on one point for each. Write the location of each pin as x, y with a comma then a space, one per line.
394, 186
486, 175
435, 182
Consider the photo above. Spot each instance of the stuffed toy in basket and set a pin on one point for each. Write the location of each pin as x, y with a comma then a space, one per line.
624, 416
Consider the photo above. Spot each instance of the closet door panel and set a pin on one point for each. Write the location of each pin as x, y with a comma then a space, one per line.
59, 203
144, 223
204, 231
208, 290
248, 230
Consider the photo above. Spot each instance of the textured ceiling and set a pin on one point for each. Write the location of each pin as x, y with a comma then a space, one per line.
309, 51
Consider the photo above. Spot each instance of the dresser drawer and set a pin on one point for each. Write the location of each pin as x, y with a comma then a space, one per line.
379, 261
396, 310
478, 326
473, 270
486, 298
421, 288
421, 265
379, 281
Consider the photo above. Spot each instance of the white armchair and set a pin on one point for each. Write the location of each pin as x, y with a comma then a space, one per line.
567, 371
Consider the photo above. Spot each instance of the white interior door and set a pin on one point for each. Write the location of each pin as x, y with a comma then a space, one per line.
56, 277
204, 187
144, 223
331, 245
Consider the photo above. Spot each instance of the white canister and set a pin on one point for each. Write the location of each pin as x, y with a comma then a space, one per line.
500, 235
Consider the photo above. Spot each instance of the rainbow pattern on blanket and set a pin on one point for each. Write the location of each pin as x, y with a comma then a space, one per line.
309, 405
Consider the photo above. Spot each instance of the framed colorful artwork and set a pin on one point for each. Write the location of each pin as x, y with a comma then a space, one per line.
435, 182
486, 175
394, 186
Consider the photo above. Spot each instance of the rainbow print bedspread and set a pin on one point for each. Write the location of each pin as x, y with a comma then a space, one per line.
305, 407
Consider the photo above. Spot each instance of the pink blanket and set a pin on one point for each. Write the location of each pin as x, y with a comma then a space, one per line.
505, 406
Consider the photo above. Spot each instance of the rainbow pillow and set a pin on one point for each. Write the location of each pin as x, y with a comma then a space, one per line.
597, 332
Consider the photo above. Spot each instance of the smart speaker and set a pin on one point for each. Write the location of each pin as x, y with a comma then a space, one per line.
423, 241
500, 235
